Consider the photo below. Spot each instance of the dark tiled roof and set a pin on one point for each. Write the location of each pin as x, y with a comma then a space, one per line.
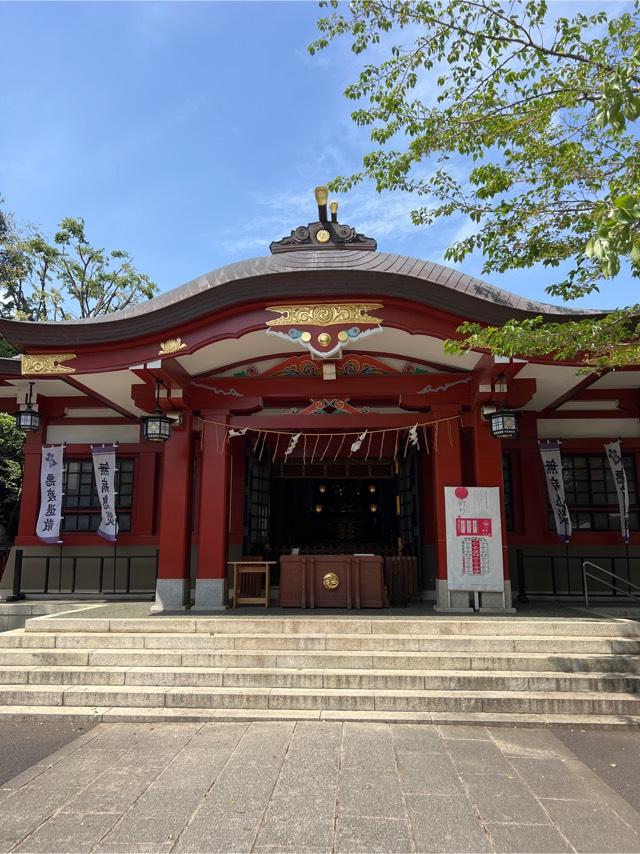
295, 275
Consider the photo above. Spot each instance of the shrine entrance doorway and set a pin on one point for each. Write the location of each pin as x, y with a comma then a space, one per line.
340, 507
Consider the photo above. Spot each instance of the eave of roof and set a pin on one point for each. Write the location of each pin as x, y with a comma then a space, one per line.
293, 275
10, 367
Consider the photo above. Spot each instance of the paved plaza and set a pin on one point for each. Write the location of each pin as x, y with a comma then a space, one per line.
322, 787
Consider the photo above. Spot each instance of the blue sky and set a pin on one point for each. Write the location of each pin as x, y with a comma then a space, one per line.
192, 134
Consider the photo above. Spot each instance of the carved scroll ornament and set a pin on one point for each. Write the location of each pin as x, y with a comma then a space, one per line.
46, 364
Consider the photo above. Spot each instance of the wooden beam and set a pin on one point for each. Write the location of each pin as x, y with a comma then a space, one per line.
584, 383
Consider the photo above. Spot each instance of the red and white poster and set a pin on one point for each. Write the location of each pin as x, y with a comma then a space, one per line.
474, 538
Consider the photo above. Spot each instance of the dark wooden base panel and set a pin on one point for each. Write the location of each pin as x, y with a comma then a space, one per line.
309, 581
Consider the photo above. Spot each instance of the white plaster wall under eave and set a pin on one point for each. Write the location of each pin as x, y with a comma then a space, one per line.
588, 428
78, 434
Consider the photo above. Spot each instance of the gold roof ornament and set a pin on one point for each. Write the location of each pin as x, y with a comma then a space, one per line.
325, 314
321, 194
325, 233
172, 345
43, 364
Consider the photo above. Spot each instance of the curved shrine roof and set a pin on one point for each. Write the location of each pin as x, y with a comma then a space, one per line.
295, 275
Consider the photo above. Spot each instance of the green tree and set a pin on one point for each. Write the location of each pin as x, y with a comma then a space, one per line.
66, 278
11, 441
540, 115
54, 281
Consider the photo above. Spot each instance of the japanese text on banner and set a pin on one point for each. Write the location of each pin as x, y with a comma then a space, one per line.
51, 474
104, 467
613, 451
552, 462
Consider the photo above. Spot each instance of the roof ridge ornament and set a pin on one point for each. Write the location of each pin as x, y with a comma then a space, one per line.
323, 234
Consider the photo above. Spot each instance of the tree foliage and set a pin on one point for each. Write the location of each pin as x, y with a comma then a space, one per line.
67, 277
525, 126
11, 441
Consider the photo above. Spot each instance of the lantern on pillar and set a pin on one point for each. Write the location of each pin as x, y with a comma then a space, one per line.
28, 419
157, 427
503, 423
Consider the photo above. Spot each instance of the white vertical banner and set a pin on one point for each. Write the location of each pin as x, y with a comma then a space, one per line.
51, 475
613, 451
474, 538
552, 462
104, 469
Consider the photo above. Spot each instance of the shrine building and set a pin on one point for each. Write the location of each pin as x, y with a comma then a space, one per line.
297, 413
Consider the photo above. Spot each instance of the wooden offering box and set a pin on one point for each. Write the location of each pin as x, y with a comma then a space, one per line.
332, 581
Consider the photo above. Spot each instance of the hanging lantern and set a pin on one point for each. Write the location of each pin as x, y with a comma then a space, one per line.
372, 487
373, 507
504, 424
28, 419
318, 508
322, 488
157, 427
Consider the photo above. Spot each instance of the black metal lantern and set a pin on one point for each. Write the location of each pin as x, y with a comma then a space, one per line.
504, 424
28, 419
157, 427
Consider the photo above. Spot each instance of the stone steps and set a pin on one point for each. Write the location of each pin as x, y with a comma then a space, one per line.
324, 625
132, 714
477, 669
320, 659
440, 680
273, 642
532, 702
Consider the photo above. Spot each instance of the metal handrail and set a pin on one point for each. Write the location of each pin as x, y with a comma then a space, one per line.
617, 578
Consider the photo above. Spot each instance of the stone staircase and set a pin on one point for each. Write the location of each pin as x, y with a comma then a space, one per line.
458, 670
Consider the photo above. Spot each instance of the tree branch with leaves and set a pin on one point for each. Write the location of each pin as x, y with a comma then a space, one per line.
68, 278
523, 124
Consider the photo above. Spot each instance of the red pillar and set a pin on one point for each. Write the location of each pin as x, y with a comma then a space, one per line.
173, 586
446, 451
533, 494
30, 498
146, 490
211, 580
487, 468
236, 500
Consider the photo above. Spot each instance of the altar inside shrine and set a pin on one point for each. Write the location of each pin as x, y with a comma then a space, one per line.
332, 581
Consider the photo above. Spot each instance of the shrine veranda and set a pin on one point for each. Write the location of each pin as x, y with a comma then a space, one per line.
314, 412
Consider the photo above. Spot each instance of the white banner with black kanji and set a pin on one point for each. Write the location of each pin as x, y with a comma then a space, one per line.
552, 462
51, 476
104, 469
613, 451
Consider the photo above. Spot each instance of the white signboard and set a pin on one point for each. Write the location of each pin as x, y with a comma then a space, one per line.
104, 467
50, 516
474, 538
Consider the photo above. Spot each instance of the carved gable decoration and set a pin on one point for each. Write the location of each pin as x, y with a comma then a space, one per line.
324, 328
50, 363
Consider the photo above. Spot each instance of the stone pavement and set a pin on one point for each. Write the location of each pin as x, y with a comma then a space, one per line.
314, 787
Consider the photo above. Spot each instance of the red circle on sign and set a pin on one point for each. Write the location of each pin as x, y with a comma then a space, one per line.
461, 492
